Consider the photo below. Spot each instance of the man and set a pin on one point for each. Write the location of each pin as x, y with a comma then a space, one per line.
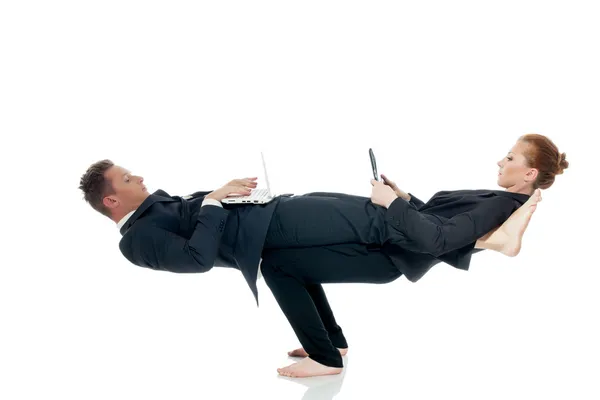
303, 241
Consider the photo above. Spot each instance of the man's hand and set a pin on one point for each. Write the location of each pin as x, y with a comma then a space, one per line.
382, 194
240, 187
393, 185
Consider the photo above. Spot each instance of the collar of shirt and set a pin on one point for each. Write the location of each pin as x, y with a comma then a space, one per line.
124, 219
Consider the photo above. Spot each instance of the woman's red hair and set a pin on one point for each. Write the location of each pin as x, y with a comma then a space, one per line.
543, 155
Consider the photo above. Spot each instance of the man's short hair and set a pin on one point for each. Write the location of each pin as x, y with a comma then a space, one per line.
95, 186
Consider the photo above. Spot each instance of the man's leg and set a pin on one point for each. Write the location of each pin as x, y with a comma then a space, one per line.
507, 238
288, 272
312, 220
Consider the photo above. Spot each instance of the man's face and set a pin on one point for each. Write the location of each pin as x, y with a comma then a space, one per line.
129, 189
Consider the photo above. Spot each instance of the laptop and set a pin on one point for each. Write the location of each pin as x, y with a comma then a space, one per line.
258, 196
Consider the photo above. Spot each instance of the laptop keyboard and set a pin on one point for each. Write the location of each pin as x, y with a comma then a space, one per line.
257, 194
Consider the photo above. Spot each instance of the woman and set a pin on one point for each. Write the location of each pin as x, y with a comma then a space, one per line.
449, 227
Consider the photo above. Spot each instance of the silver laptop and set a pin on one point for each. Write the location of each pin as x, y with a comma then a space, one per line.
258, 196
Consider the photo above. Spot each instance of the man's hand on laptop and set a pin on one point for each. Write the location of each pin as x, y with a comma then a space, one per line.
237, 187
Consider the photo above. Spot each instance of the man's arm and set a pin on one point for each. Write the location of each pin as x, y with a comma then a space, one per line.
414, 232
160, 249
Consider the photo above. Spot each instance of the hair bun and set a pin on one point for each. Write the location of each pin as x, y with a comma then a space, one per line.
562, 163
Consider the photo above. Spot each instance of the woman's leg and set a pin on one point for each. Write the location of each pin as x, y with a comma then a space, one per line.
288, 272
317, 294
334, 331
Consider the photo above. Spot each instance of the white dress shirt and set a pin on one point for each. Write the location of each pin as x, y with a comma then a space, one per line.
205, 202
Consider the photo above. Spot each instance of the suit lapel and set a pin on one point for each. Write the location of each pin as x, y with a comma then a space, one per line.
156, 197
195, 195
520, 197
447, 196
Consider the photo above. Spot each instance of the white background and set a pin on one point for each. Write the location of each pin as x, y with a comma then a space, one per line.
188, 93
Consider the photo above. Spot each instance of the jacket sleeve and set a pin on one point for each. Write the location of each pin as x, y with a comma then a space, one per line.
415, 201
160, 249
412, 231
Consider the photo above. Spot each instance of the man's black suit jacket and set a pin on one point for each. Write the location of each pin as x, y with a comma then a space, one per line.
174, 234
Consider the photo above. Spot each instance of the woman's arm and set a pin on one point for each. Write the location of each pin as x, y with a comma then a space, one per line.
401, 193
413, 231
415, 201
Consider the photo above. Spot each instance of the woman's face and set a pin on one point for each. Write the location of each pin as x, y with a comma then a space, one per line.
514, 172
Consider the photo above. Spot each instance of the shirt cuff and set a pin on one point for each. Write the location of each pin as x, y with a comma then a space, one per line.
211, 202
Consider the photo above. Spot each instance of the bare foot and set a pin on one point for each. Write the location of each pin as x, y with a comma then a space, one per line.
302, 353
514, 227
306, 368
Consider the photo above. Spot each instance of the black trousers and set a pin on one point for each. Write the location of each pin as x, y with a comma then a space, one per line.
320, 218
295, 275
